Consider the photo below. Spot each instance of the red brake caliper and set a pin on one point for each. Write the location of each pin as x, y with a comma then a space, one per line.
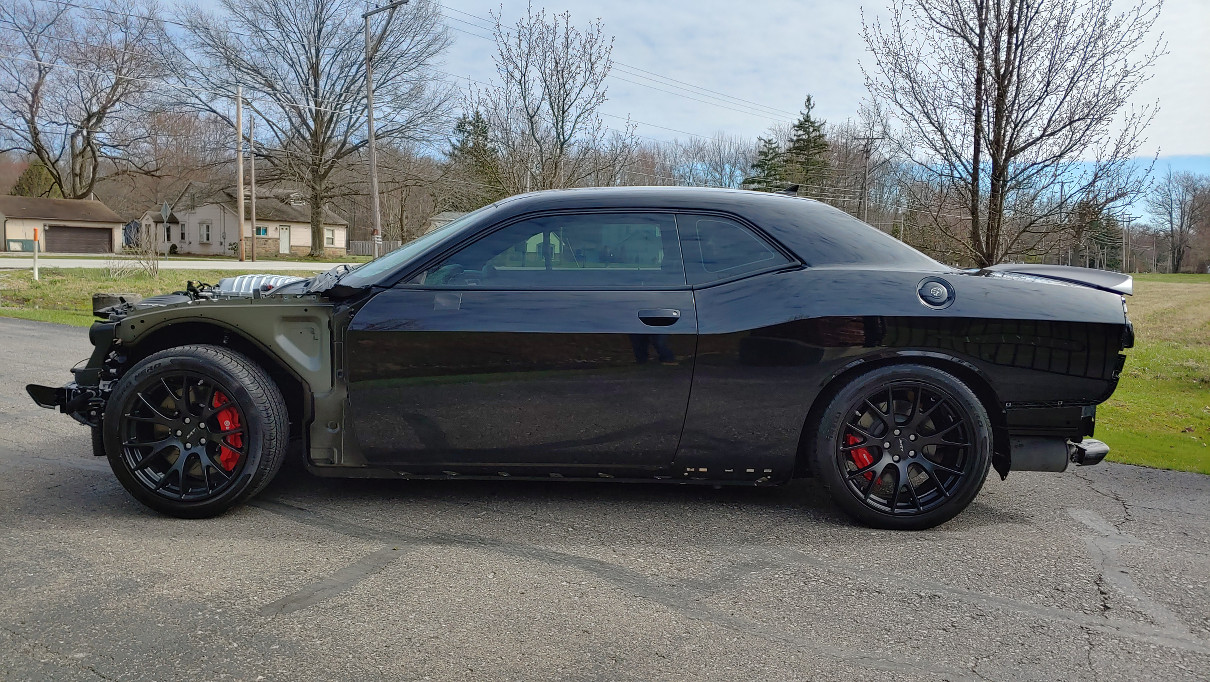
861, 457
228, 419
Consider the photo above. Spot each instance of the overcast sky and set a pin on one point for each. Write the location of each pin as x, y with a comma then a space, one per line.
773, 53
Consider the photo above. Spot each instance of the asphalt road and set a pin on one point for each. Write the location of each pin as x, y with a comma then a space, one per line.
11, 263
1096, 574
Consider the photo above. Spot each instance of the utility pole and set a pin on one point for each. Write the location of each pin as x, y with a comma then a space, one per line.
239, 165
252, 176
374, 207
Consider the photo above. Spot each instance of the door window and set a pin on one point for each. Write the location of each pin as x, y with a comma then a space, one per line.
718, 248
603, 250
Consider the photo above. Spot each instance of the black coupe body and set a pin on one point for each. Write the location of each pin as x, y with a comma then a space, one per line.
674, 334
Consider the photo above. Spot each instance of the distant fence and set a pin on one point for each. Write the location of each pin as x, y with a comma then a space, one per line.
366, 248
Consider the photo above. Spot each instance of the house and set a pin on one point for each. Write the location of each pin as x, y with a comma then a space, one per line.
444, 218
283, 226
63, 225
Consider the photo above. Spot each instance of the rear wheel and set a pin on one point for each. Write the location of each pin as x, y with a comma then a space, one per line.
195, 430
903, 447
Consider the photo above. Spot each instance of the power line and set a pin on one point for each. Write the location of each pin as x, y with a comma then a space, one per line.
490, 25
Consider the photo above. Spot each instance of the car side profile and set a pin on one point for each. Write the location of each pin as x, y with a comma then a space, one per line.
674, 334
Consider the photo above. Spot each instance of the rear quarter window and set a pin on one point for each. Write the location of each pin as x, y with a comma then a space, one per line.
717, 248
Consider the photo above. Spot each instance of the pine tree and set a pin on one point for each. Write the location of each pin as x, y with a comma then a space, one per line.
471, 153
769, 169
36, 181
806, 159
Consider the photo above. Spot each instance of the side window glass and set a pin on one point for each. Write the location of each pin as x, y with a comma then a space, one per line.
587, 250
718, 248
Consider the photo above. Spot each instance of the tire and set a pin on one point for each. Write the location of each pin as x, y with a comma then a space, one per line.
193, 431
903, 447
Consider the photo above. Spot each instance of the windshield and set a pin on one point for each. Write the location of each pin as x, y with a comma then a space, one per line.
368, 273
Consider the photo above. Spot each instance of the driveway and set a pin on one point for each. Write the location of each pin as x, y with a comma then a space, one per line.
1095, 574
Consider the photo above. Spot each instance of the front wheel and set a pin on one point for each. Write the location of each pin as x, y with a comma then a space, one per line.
903, 447
195, 430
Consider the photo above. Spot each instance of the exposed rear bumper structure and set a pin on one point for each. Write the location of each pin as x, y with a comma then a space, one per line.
1048, 453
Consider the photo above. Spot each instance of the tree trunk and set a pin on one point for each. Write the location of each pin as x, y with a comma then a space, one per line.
977, 134
317, 216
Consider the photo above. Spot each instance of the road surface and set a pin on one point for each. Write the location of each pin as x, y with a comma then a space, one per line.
1095, 574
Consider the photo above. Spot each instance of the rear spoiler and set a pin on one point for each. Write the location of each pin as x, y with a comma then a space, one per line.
1104, 280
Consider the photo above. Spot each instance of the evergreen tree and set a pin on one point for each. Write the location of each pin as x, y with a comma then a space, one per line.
36, 181
474, 159
806, 158
769, 169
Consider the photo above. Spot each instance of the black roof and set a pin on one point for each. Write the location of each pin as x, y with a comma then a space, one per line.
817, 233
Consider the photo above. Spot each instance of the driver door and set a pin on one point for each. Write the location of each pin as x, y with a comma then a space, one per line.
555, 344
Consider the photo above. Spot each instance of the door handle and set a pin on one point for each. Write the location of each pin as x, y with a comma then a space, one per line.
659, 317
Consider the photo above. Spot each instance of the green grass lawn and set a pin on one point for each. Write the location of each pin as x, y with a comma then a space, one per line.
64, 295
1159, 416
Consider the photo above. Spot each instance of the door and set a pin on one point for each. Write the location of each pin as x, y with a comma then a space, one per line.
557, 344
61, 239
283, 239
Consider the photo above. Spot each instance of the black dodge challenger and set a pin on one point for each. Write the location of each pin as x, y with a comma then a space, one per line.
671, 334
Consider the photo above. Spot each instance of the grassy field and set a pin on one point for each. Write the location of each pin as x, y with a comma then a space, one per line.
1159, 416
64, 295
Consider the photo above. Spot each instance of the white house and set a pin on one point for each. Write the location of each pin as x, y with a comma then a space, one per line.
283, 226
63, 225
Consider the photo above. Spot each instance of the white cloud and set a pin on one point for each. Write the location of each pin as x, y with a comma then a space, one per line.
774, 53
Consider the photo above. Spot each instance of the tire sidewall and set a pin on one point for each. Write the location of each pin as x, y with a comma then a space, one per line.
829, 432
252, 470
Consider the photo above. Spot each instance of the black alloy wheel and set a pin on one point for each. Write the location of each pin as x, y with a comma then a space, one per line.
904, 447
194, 430
182, 438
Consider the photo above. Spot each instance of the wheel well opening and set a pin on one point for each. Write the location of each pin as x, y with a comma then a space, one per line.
982, 390
292, 388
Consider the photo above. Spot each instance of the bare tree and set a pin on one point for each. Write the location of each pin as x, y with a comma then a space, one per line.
543, 115
997, 101
302, 67
1179, 203
73, 81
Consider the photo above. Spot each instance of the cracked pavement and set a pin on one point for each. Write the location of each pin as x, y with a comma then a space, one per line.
1095, 574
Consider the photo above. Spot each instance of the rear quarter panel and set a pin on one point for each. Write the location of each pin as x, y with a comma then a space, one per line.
771, 343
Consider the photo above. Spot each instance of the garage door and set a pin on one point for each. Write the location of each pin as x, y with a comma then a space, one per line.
62, 239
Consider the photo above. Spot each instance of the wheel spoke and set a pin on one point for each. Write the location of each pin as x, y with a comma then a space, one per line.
912, 489
160, 416
869, 488
218, 466
149, 458
176, 401
894, 501
863, 470
929, 468
881, 415
228, 432
205, 473
144, 444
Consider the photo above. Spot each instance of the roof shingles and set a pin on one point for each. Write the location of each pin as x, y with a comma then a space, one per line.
41, 208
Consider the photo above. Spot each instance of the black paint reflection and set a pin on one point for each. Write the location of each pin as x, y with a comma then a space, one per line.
518, 377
